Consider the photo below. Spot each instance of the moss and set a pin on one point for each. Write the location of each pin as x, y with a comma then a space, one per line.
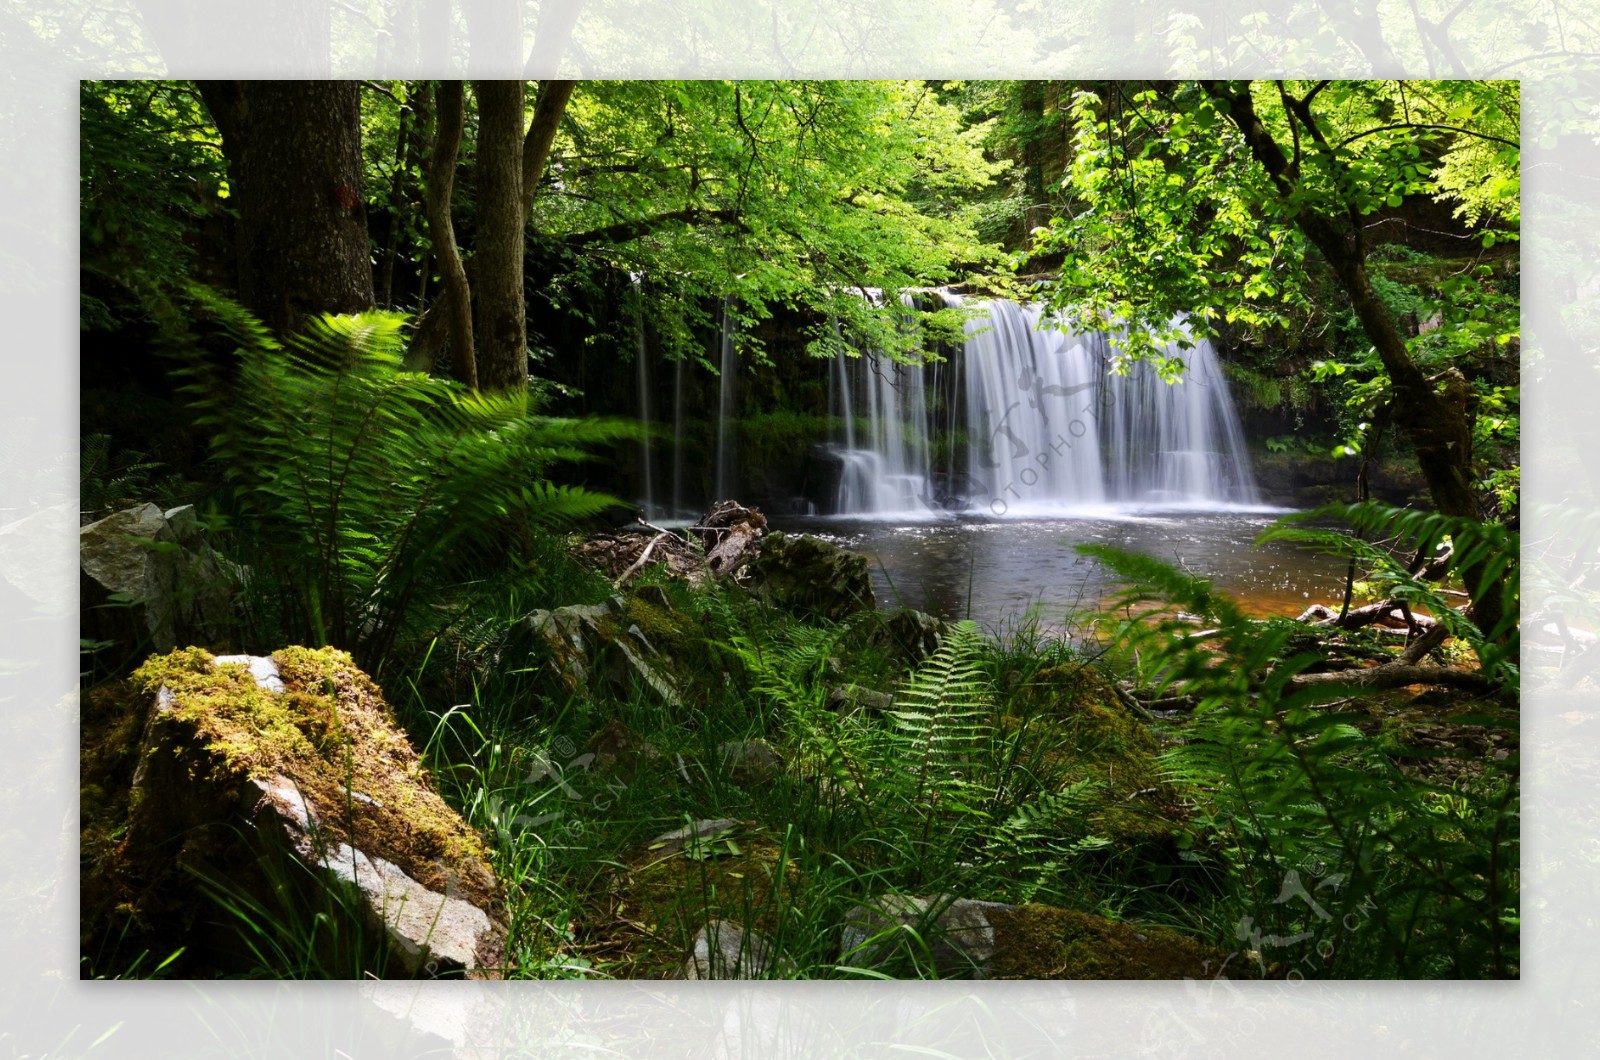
671, 896
1078, 729
1042, 942
332, 736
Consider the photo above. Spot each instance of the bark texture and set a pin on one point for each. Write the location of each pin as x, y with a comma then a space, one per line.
294, 171
499, 319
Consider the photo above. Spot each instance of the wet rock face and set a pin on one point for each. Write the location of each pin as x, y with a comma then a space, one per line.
179, 587
809, 576
250, 760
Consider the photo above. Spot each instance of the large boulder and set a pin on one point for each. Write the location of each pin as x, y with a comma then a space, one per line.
967, 939
285, 780
810, 576
148, 578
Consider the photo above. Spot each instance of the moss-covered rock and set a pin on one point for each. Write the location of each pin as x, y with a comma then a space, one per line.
1042, 942
810, 576
297, 756
967, 939
663, 894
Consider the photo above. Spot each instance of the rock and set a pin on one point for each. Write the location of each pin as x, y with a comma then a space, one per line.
698, 832
958, 935
724, 950
303, 746
750, 762
845, 700
618, 749
908, 634
179, 588
585, 639
978, 940
810, 576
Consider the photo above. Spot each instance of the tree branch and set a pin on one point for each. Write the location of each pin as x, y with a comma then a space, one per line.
623, 231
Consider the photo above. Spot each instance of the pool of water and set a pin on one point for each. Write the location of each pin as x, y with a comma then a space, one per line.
1002, 571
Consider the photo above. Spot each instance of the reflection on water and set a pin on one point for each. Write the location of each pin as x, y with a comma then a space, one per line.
997, 571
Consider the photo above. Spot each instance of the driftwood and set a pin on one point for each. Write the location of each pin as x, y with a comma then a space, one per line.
621, 556
724, 539
729, 532
1395, 675
1393, 614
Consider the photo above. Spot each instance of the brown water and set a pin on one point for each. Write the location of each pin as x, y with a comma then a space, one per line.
1004, 571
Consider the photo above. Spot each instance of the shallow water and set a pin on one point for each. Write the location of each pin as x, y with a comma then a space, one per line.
1000, 572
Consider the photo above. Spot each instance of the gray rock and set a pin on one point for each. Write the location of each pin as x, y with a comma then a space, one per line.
908, 634
750, 761
589, 639
845, 700
724, 950
958, 933
170, 587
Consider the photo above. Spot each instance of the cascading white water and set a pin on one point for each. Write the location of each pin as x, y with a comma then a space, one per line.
887, 473
1048, 427
728, 366
642, 365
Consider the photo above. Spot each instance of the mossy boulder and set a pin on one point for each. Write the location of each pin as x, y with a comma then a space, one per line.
662, 895
1035, 941
812, 577
250, 762
1079, 729
968, 939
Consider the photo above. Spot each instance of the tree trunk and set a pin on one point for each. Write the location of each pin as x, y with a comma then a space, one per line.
294, 172
455, 300
1437, 423
500, 315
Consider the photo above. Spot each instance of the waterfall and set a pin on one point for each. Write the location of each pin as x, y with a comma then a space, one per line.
726, 470
643, 370
886, 473
1048, 427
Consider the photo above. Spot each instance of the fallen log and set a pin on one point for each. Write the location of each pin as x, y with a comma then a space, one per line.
1395, 675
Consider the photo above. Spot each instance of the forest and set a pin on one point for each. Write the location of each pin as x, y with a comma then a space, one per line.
800, 529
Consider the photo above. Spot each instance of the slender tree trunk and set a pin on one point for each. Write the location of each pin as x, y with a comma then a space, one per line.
294, 169
500, 321
547, 112
1436, 421
456, 298
404, 152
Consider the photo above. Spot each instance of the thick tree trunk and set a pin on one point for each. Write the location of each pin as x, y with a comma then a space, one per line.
500, 314
294, 171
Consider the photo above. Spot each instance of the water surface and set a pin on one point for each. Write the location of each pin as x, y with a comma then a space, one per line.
1001, 571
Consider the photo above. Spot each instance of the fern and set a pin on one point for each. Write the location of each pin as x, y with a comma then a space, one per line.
931, 753
368, 485
1316, 823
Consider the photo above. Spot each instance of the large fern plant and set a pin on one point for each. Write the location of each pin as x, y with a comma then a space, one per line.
366, 490
1343, 863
